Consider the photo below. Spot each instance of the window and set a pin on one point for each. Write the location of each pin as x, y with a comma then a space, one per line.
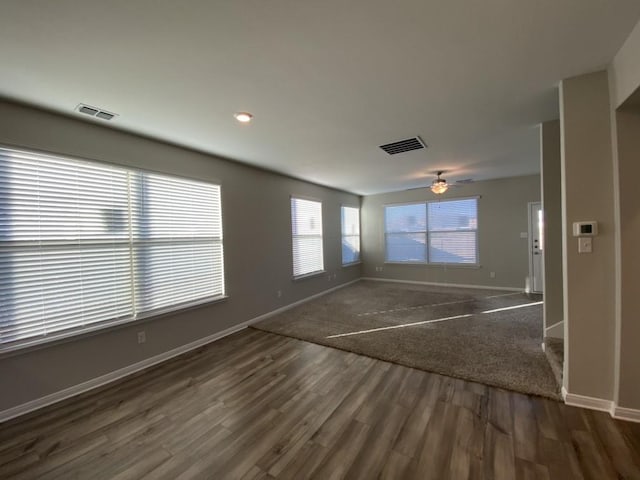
433, 232
350, 235
83, 244
306, 230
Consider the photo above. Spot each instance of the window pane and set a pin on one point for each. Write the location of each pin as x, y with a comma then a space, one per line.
306, 217
453, 215
172, 273
406, 247
452, 247
64, 253
350, 221
177, 240
307, 255
350, 249
406, 218
169, 207
45, 198
49, 290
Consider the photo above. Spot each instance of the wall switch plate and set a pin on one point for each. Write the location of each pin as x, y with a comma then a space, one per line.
492, 274
142, 337
585, 245
524, 235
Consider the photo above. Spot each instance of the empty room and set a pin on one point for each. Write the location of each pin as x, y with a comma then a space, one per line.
336, 240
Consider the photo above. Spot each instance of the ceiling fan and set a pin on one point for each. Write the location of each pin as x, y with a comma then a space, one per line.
439, 185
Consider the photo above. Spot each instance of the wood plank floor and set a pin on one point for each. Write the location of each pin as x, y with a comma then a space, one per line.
260, 406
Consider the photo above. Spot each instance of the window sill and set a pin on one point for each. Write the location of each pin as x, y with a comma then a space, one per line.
309, 275
64, 337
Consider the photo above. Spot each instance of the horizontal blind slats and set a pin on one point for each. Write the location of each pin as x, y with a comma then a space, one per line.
66, 259
306, 225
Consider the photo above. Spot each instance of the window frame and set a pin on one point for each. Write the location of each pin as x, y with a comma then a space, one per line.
322, 270
427, 232
342, 235
78, 332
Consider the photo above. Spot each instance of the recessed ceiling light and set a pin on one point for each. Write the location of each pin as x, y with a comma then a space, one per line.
243, 117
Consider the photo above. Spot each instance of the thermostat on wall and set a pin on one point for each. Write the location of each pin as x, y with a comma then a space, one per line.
585, 229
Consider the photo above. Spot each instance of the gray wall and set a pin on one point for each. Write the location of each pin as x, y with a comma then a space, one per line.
552, 206
502, 216
587, 194
624, 75
628, 137
625, 68
257, 228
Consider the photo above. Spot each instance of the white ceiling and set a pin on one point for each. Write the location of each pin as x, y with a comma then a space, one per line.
328, 81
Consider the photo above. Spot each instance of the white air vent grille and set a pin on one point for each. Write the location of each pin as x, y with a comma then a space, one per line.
95, 112
402, 146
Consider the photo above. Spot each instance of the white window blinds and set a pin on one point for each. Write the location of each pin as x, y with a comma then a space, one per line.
306, 227
453, 231
433, 232
350, 235
177, 241
406, 233
83, 243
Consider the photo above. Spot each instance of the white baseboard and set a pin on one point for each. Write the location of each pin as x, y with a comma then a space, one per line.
583, 401
149, 362
619, 413
438, 284
628, 414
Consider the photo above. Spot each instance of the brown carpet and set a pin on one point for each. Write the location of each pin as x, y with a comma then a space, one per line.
501, 348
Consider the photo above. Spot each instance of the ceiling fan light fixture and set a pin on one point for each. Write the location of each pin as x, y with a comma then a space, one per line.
439, 185
243, 117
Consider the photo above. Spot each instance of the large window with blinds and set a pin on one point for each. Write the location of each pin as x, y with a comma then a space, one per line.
306, 235
350, 218
85, 244
441, 232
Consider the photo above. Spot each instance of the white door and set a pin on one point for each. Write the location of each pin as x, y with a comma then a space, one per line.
536, 246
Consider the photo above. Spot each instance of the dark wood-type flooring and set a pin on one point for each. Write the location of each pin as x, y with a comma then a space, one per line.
258, 406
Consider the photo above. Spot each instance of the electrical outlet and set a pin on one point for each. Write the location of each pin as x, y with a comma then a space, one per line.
492, 274
334, 276
279, 293
142, 336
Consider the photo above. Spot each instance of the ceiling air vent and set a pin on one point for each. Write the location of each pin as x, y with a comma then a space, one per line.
402, 146
94, 112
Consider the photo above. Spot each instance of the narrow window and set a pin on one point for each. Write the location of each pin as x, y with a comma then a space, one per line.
350, 235
306, 230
